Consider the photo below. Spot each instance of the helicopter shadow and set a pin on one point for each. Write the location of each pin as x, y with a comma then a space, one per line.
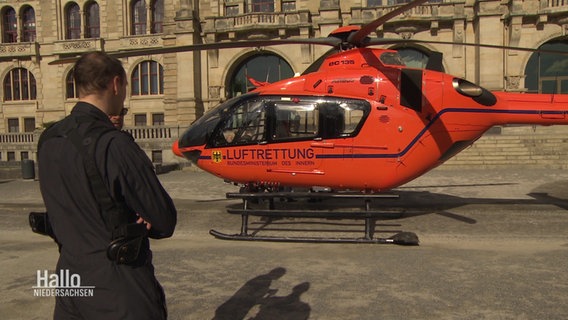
441, 203
257, 300
425, 202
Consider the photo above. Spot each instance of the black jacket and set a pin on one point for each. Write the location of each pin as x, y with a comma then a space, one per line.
77, 222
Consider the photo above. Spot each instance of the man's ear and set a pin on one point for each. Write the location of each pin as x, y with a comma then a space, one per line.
116, 84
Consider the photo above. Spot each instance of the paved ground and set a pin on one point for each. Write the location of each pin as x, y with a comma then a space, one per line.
493, 245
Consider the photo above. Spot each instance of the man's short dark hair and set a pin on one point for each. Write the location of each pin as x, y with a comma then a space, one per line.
94, 70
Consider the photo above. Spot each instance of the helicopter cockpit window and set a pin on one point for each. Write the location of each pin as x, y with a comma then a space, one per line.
294, 120
244, 125
391, 58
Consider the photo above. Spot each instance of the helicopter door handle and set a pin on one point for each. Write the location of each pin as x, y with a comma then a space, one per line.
323, 145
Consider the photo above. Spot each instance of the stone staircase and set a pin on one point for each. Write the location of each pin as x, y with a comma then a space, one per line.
522, 146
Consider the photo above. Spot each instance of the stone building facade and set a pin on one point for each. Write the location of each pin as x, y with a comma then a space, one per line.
168, 91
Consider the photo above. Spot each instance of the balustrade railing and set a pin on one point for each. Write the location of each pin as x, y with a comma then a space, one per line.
556, 3
257, 20
27, 137
146, 133
153, 138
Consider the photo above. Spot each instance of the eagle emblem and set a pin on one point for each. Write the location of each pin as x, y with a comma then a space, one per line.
217, 156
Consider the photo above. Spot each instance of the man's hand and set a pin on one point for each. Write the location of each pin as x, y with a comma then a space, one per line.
140, 220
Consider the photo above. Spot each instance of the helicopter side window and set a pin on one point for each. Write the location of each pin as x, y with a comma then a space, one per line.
341, 119
392, 58
243, 125
332, 121
294, 121
352, 119
304, 119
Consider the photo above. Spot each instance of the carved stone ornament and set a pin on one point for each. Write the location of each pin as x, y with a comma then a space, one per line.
513, 82
406, 32
214, 92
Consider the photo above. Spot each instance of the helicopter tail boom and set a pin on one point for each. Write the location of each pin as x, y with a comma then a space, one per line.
526, 108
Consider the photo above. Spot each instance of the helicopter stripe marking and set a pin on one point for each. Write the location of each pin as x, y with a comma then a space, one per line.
423, 131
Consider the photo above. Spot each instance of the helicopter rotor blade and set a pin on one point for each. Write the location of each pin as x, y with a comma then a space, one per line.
330, 41
384, 41
358, 37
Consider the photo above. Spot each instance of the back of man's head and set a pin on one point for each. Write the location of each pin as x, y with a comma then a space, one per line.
94, 71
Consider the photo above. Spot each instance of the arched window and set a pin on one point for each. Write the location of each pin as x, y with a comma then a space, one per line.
92, 21
138, 17
19, 84
264, 68
28, 24
9, 26
70, 88
262, 6
147, 79
547, 72
73, 21
157, 16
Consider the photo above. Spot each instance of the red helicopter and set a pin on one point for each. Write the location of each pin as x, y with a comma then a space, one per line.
357, 119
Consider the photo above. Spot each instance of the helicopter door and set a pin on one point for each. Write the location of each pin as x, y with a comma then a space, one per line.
237, 147
317, 133
242, 125
339, 122
293, 126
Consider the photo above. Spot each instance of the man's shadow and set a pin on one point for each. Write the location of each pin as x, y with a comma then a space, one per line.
257, 292
289, 307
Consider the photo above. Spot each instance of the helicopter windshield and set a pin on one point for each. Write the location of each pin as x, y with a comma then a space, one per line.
200, 130
244, 124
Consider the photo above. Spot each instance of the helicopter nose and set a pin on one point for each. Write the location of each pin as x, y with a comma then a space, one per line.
175, 149
190, 153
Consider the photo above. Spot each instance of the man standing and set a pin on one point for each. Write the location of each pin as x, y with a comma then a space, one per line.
78, 218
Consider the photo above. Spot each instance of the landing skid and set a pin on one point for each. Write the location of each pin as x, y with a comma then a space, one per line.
401, 238
369, 216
